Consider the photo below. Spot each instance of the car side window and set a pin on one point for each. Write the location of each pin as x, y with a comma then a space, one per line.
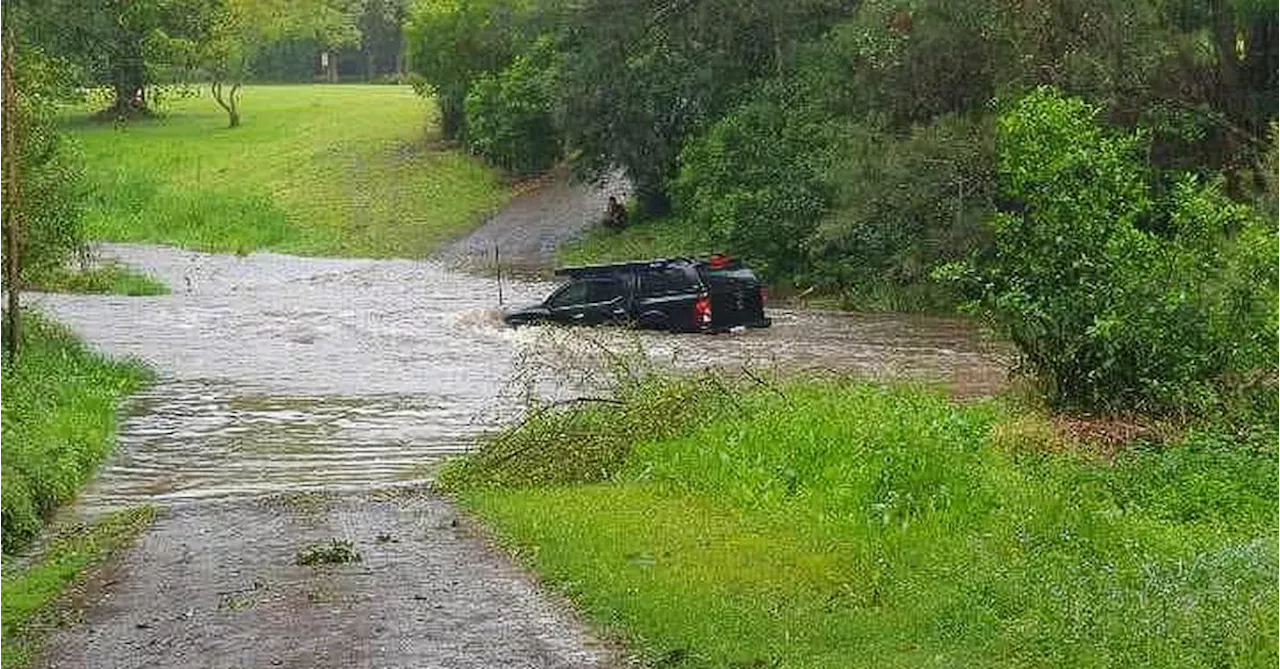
664, 281
604, 290
571, 294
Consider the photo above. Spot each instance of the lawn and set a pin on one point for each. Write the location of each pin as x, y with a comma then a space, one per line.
317, 169
841, 524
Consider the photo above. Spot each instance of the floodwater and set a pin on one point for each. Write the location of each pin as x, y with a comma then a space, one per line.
281, 373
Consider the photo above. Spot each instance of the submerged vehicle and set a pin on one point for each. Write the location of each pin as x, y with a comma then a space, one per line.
678, 294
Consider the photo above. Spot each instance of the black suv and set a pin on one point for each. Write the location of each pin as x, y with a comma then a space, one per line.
678, 294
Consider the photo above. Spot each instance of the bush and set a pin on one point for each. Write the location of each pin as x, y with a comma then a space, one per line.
53, 196
1119, 300
904, 205
509, 116
754, 182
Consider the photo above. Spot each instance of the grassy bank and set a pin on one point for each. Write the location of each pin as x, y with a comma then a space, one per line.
327, 170
59, 418
837, 524
59, 422
107, 278
31, 594
648, 239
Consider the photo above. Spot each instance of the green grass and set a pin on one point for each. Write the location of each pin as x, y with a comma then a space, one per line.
31, 593
647, 239
107, 278
59, 421
318, 169
837, 524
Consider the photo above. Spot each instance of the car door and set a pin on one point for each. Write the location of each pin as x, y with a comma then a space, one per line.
588, 302
667, 296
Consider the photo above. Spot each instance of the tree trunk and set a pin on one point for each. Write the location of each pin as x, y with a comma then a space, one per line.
333, 67
228, 101
1224, 33
131, 98
12, 202
129, 79
1232, 93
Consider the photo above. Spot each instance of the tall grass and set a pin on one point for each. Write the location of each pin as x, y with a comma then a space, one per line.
327, 170
834, 524
59, 418
647, 239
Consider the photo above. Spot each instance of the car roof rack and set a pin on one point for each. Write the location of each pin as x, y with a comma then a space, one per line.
716, 261
608, 268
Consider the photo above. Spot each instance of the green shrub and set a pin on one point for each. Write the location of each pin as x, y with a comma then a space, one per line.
903, 205
1119, 300
509, 115
753, 182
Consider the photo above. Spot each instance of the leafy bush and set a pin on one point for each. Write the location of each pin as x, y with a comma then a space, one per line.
1119, 300
904, 205
451, 45
53, 195
509, 116
861, 166
753, 182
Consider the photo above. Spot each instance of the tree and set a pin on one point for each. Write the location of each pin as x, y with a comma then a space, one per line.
241, 29
638, 83
452, 43
43, 179
1121, 297
127, 45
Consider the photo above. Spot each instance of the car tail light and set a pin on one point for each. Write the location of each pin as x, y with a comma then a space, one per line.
764, 295
702, 311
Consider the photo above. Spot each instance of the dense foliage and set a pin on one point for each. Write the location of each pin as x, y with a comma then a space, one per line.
49, 192
1121, 295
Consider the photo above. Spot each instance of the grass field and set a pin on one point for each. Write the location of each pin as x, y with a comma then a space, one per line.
317, 169
838, 524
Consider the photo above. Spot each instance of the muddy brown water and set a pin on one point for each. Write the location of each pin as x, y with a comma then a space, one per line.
305, 399
280, 373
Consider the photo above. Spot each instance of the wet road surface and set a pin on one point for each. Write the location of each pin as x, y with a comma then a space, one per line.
303, 399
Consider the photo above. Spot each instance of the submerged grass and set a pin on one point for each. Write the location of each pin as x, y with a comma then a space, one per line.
106, 278
316, 169
31, 593
828, 523
59, 421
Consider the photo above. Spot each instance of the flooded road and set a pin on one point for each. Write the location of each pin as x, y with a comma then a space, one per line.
281, 373
303, 400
